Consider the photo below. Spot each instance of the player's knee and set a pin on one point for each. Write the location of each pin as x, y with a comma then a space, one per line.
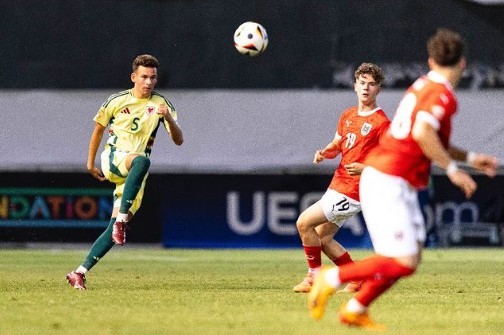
300, 224
142, 162
303, 224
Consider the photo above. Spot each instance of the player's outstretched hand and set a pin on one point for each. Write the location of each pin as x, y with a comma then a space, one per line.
318, 157
485, 163
464, 181
95, 172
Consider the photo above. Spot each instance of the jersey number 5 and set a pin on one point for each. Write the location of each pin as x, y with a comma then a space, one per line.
135, 124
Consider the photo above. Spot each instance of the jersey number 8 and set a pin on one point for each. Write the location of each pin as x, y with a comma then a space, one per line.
401, 124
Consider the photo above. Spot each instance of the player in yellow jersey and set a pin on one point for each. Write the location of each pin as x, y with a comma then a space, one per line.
133, 118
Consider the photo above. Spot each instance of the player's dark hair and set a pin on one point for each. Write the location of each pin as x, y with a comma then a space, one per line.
446, 47
369, 68
145, 61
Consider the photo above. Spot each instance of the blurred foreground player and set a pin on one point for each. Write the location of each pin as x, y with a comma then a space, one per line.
394, 172
358, 131
133, 117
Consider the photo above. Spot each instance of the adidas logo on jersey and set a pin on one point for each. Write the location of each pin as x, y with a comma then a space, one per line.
125, 111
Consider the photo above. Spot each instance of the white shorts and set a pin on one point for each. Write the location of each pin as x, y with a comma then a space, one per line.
337, 207
392, 213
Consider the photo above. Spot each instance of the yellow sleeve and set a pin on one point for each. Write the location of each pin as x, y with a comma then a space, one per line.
103, 116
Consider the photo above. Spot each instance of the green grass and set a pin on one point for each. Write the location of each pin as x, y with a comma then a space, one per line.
163, 291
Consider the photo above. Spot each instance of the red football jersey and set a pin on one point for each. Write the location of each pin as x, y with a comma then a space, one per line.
359, 133
430, 99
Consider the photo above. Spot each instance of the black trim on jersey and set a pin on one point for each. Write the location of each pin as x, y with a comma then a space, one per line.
166, 100
148, 149
113, 96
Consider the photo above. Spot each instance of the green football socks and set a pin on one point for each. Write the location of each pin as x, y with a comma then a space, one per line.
100, 247
139, 168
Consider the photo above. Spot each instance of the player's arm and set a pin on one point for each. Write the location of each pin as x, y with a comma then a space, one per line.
427, 138
485, 163
173, 128
94, 144
330, 151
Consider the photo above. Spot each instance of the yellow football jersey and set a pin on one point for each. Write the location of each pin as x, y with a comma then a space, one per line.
133, 122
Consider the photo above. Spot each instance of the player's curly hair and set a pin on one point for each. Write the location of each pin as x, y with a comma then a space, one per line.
446, 47
146, 61
369, 68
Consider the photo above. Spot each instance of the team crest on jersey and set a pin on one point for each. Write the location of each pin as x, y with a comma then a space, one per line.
149, 110
366, 128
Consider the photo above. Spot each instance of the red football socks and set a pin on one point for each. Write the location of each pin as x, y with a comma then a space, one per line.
372, 289
374, 267
313, 256
377, 273
343, 259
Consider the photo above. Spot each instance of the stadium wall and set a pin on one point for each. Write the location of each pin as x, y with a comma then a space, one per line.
225, 131
241, 178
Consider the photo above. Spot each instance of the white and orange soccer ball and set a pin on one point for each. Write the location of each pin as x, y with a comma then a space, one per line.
251, 39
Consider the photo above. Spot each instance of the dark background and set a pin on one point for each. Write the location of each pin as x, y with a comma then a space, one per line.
189, 210
145, 226
91, 44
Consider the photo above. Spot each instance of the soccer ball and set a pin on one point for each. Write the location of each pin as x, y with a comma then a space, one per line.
250, 39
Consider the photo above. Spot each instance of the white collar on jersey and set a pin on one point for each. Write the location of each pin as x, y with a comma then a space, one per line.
368, 112
439, 78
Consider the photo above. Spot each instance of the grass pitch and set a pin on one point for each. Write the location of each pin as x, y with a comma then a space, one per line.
165, 291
